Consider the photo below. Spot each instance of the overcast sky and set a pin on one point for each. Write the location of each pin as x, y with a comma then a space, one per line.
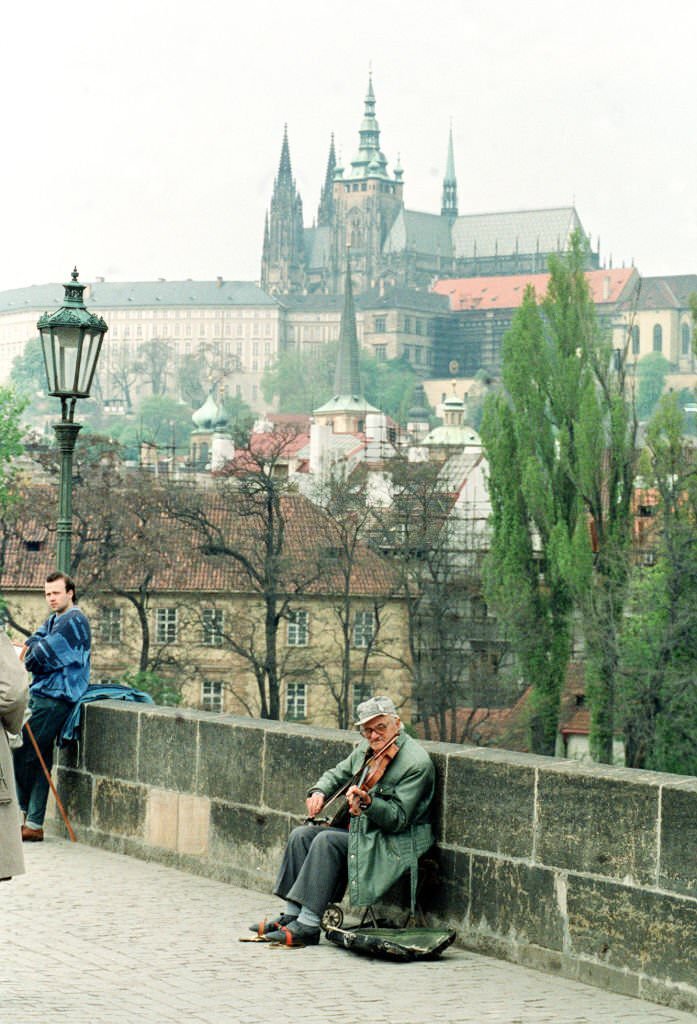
141, 138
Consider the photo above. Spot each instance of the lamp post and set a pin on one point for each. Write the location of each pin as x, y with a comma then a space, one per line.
71, 339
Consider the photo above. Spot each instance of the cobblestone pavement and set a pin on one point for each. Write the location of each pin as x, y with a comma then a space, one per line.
93, 937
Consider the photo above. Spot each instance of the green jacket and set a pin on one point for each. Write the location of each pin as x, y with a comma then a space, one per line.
388, 838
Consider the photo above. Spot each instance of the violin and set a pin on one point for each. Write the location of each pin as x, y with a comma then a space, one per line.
368, 776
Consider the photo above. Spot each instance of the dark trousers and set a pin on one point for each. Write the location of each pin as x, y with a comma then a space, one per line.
313, 871
47, 719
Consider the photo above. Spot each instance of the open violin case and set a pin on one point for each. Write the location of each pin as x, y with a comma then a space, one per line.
403, 944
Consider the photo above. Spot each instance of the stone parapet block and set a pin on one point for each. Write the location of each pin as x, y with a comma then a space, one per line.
589, 871
581, 811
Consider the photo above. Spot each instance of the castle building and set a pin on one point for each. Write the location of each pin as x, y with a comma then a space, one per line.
363, 206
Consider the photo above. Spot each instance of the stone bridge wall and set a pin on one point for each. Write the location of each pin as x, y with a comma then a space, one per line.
586, 871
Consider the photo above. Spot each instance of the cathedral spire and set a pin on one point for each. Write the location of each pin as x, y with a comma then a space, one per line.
283, 254
449, 200
284, 169
325, 213
347, 376
369, 160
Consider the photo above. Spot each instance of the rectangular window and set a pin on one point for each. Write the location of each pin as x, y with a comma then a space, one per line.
211, 695
363, 629
380, 353
110, 625
296, 700
361, 692
407, 324
298, 629
212, 627
166, 625
380, 324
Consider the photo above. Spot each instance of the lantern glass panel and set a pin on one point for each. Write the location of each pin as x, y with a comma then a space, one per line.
90, 351
67, 340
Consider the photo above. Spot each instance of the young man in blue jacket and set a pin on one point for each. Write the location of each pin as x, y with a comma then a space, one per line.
58, 657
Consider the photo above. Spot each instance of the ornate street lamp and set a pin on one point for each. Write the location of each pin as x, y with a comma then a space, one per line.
71, 339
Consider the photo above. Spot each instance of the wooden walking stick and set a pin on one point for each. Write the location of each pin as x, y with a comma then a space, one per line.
47, 773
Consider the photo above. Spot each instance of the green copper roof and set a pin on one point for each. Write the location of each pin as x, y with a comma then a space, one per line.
346, 404
452, 436
370, 161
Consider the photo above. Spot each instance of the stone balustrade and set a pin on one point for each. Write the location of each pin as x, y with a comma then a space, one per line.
583, 870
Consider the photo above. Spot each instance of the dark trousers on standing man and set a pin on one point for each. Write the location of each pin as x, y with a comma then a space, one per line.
47, 719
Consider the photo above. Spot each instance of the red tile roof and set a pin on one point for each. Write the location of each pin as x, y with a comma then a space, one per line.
174, 554
506, 292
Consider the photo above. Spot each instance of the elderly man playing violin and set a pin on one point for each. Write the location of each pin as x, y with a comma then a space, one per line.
388, 783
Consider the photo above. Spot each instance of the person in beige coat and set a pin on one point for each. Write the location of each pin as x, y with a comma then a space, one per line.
13, 700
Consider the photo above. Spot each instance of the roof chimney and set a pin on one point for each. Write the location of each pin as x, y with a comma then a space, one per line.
219, 282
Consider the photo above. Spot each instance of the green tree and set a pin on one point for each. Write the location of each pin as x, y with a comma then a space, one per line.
302, 381
389, 385
153, 363
560, 443
11, 407
28, 374
189, 374
160, 421
527, 430
658, 662
601, 555
651, 376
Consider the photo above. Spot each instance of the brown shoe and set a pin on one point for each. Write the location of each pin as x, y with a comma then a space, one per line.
32, 835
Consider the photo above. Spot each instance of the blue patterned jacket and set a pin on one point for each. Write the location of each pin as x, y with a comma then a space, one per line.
59, 656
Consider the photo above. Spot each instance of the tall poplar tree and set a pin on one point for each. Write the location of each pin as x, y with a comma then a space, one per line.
560, 443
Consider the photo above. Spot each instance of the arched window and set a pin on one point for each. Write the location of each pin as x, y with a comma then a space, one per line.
657, 338
635, 340
685, 338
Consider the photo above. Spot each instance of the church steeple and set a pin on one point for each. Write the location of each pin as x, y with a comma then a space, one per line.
346, 411
449, 200
347, 376
283, 253
325, 213
369, 161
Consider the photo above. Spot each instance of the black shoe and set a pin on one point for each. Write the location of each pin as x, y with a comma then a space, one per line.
294, 935
271, 924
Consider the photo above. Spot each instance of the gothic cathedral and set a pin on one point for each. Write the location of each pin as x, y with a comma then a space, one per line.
363, 207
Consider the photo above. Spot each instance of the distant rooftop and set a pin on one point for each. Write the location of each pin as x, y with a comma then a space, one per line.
507, 292
140, 294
